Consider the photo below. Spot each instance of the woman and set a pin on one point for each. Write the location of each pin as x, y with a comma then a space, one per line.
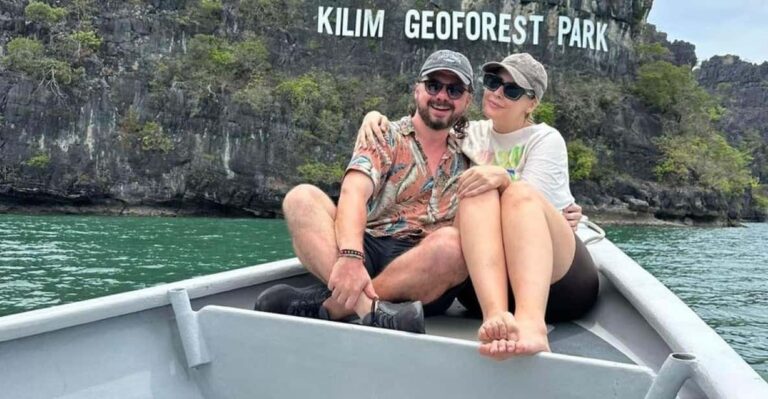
510, 217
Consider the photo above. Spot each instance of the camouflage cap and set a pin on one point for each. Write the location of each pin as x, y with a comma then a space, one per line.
525, 70
447, 60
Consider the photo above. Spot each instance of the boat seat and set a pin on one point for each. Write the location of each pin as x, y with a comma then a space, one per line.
249, 353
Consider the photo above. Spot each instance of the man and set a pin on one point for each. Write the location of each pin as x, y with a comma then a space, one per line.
391, 235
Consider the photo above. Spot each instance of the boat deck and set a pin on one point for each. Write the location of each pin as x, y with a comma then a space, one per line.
568, 338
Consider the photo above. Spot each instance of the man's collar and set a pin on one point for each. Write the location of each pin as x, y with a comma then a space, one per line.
454, 144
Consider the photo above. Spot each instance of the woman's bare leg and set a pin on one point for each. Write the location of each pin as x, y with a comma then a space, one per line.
481, 242
539, 246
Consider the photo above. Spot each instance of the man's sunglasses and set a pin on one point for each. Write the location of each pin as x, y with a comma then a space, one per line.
511, 90
454, 90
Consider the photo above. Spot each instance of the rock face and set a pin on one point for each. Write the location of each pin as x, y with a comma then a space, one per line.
65, 148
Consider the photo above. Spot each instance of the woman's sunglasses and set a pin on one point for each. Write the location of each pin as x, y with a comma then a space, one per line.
454, 90
511, 90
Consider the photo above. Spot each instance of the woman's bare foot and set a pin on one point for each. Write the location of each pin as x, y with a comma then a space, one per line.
498, 326
532, 337
498, 335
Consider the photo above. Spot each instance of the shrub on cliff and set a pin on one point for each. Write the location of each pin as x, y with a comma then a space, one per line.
705, 160
40, 12
28, 56
318, 172
581, 160
148, 136
545, 112
671, 89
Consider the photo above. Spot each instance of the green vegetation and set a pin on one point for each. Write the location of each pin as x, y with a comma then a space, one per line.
581, 160
86, 40
706, 160
317, 172
671, 89
546, 113
202, 15
28, 56
39, 161
315, 105
83, 11
652, 52
693, 151
37, 11
148, 136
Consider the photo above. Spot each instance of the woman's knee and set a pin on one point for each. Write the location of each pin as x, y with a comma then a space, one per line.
519, 193
480, 200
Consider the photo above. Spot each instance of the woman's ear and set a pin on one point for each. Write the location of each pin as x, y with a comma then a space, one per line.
532, 107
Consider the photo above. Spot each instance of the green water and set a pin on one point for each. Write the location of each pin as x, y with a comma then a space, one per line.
49, 260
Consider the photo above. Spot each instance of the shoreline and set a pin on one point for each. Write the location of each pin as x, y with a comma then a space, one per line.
616, 216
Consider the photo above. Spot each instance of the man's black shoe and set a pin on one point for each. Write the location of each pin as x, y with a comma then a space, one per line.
406, 316
284, 299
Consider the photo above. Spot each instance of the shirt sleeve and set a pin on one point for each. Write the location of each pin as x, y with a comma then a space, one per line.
375, 161
546, 168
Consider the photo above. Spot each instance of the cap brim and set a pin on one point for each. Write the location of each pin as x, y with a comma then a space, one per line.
464, 78
516, 75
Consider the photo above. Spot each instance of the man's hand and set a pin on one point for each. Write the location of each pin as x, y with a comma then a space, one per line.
479, 179
372, 130
573, 215
348, 280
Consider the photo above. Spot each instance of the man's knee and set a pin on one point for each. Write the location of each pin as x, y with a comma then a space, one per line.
445, 248
301, 197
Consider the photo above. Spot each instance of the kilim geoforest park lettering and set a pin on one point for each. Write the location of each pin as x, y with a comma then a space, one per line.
455, 25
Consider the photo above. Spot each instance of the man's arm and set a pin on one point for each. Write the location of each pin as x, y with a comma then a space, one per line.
349, 278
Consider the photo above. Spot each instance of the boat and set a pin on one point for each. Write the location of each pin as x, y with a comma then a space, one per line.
199, 338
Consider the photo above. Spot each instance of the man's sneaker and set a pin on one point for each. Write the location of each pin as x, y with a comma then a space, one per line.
406, 316
284, 299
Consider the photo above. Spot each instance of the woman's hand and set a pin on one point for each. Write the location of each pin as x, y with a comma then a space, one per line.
371, 130
573, 215
479, 179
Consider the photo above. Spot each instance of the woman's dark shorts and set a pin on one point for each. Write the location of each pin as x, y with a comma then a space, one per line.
569, 298
380, 251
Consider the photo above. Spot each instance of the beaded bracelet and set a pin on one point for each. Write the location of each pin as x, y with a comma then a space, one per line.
352, 253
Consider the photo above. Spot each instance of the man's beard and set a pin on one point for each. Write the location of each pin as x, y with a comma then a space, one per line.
437, 124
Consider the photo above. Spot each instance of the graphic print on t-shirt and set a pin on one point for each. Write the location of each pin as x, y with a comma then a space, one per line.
510, 159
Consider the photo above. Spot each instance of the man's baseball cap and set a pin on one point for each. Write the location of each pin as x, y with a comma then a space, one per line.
447, 60
525, 70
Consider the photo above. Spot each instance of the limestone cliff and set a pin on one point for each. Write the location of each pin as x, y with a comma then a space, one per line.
197, 106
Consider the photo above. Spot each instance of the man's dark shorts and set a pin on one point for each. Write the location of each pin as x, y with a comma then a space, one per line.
380, 251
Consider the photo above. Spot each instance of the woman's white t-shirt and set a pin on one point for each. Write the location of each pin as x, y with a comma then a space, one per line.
536, 154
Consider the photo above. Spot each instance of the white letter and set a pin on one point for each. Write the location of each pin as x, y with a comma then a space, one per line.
589, 33
536, 19
323, 20
563, 29
426, 23
520, 36
442, 25
504, 20
576, 33
347, 31
473, 25
456, 23
411, 31
489, 26
601, 36
375, 27
338, 21
358, 21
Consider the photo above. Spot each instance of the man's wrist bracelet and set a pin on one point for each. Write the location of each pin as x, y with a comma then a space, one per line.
352, 253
